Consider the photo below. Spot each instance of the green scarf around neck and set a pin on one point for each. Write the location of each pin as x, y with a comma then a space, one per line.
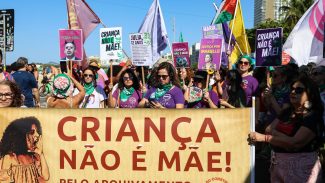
89, 87
126, 94
162, 90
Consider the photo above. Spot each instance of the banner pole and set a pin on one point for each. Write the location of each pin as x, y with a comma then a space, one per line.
252, 147
143, 81
111, 73
232, 26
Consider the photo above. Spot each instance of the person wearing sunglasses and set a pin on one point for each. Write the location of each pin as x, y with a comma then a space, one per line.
165, 91
197, 96
128, 93
10, 94
296, 135
95, 96
244, 66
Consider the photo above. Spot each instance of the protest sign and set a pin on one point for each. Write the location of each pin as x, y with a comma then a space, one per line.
141, 49
181, 55
71, 44
139, 145
268, 47
212, 31
111, 45
9, 26
210, 54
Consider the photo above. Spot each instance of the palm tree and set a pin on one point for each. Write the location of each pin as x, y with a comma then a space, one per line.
293, 10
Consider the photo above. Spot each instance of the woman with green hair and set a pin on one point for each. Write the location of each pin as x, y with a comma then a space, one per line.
62, 92
245, 65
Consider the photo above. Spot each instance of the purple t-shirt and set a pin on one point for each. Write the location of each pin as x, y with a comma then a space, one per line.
170, 99
131, 102
204, 104
250, 86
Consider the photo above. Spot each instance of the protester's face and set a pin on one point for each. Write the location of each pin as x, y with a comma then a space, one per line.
88, 76
128, 80
6, 96
318, 76
29, 67
243, 65
32, 138
298, 95
163, 76
69, 49
183, 73
277, 78
198, 82
207, 58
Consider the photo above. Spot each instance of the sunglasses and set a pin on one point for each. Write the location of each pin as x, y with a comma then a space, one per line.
127, 78
243, 63
164, 77
6, 95
88, 75
298, 90
315, 73
275, 75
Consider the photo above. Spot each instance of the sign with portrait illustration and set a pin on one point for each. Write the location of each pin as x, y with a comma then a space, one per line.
268, 47
111, 45
71, 44
210, 54
141, 49
7, 17
181, 55
111, 146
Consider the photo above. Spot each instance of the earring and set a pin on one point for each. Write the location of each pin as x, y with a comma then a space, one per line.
308, 105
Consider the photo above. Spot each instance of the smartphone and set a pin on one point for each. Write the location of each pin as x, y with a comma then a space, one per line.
63, 67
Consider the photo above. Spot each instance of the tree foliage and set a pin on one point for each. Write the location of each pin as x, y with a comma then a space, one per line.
292, 11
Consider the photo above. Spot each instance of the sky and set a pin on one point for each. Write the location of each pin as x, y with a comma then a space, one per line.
37, 23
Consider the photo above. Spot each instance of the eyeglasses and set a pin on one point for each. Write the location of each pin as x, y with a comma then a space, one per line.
127, 78
88, 75
164, 77
243, 63
6, 95
298, 90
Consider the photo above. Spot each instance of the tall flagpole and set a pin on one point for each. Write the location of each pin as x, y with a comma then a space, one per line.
232, 26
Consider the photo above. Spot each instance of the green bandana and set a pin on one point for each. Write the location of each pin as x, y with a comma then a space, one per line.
162, 90
321, 87
89, 87
126, 94
280, 92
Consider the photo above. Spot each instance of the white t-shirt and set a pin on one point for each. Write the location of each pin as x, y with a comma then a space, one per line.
95, 98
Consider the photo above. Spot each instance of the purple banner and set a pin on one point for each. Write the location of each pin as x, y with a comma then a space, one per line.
210, 54
181, 54
268, 47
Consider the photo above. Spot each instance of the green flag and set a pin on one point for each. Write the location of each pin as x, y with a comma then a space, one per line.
181, 38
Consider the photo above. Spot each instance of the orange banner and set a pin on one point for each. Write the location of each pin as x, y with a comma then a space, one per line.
126, 146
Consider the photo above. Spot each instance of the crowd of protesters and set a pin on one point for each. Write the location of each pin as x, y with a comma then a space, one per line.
289, 100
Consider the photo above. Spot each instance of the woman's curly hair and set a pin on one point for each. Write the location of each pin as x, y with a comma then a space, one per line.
17, 100
14, 136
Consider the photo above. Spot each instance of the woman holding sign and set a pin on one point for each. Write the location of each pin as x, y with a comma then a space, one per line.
128, 94
166, 91
21, 152
196, 96
295, 136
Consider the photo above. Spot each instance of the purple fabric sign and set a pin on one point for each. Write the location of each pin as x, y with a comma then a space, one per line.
210, 54
268, 47
181, 54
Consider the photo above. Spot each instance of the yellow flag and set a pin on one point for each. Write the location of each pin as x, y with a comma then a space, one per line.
240, 35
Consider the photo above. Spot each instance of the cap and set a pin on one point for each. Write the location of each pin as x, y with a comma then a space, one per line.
200, 74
